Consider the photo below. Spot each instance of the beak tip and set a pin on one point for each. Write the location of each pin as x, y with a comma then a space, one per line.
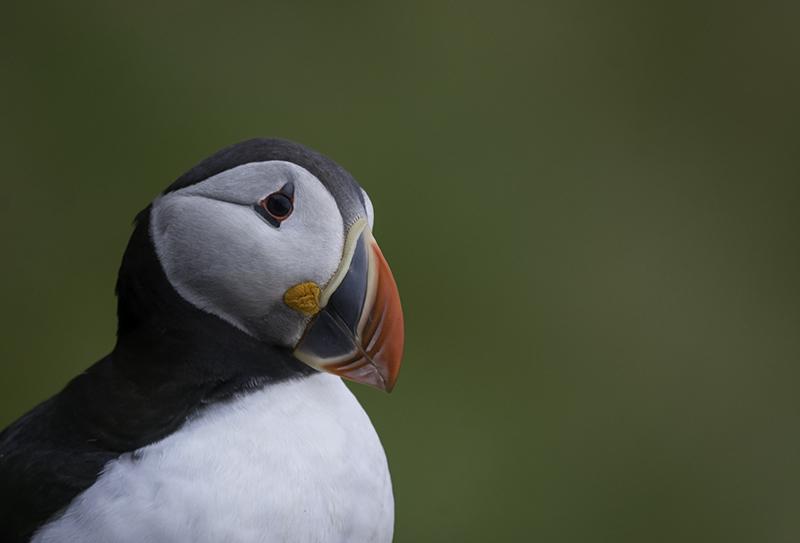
390, 386
389, 381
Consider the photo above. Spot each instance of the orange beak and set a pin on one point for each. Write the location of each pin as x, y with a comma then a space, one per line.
358, 331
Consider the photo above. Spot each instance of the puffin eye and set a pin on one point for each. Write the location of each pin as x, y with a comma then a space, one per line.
277, 207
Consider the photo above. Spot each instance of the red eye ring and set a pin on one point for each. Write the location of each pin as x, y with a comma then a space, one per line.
277, 207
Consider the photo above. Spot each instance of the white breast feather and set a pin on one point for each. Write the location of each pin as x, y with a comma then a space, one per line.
295, 462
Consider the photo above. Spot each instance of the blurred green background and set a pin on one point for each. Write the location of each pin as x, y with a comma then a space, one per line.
591, 210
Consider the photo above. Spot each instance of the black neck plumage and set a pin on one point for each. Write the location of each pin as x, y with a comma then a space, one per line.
173, 356
171, 360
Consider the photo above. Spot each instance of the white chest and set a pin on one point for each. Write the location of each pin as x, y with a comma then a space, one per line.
298, 461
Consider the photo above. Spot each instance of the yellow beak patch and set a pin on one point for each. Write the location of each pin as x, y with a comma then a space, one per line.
303, 297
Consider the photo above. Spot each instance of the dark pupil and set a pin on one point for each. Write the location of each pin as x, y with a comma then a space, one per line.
279, 205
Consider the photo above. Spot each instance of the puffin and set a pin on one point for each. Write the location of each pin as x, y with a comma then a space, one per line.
249, 289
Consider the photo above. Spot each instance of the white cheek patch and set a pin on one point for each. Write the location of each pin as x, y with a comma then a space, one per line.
370, 210
224, 259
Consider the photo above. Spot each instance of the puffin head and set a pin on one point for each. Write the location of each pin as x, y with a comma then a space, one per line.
276, 240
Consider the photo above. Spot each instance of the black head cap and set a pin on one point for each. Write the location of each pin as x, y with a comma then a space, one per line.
345, 190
